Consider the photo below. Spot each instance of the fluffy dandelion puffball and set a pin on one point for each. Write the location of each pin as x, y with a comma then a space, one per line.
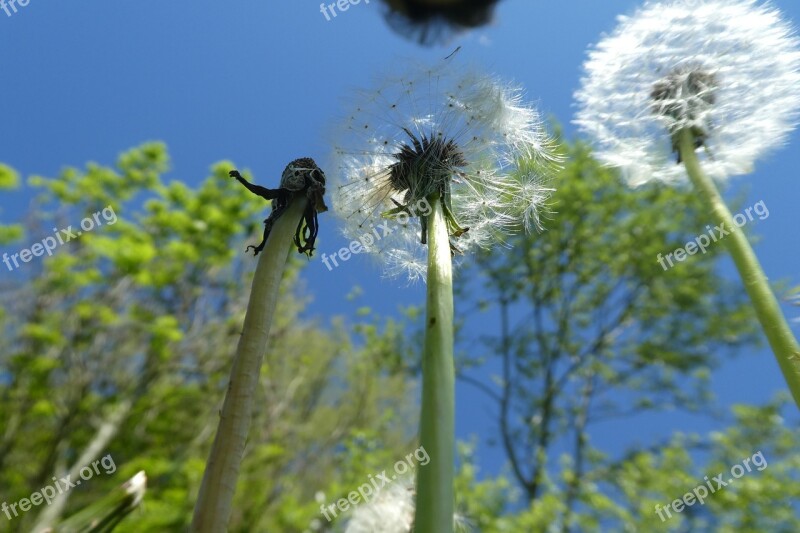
729, 70
391, 510
461, 135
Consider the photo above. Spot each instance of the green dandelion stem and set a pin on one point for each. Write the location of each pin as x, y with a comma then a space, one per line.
779, 334
435, 499
214, 502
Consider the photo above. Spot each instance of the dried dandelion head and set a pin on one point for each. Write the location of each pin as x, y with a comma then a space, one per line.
729, 71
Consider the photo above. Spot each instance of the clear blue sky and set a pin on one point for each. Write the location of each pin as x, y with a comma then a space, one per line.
260, 82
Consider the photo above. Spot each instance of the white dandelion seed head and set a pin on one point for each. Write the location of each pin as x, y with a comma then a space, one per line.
728, 69
391, 510
430, 129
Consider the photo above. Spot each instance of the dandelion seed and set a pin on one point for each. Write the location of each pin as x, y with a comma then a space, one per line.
441, 131
794, 299
728, 71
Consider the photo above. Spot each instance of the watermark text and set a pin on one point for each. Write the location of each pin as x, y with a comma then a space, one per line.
366, 491
47, 494
716, 483
702, 242
60, 237
10, 6
342, 5
376, 233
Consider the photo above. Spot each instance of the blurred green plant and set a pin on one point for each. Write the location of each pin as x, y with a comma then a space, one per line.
107, 513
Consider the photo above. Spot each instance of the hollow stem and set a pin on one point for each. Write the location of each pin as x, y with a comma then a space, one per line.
435, 499
779, 334
214, 502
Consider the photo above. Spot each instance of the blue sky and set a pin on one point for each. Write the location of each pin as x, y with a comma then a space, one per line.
259, 83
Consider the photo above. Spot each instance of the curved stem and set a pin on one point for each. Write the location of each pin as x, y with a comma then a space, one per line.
435, 498
214, 502
779, 334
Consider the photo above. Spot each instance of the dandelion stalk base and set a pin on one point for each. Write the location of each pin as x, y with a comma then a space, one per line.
435, 498
779, 334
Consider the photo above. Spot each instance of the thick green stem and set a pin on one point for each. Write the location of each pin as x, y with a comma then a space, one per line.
766, 306
435, 498
214, 502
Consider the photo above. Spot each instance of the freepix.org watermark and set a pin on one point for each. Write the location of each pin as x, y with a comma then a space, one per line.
702, 242
716, 483
376, 483
10, 6
48, 493
342, 5
421, 209
62, 236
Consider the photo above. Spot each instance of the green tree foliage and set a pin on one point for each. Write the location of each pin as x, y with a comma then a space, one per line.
622, 494
592, 330
121, 343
